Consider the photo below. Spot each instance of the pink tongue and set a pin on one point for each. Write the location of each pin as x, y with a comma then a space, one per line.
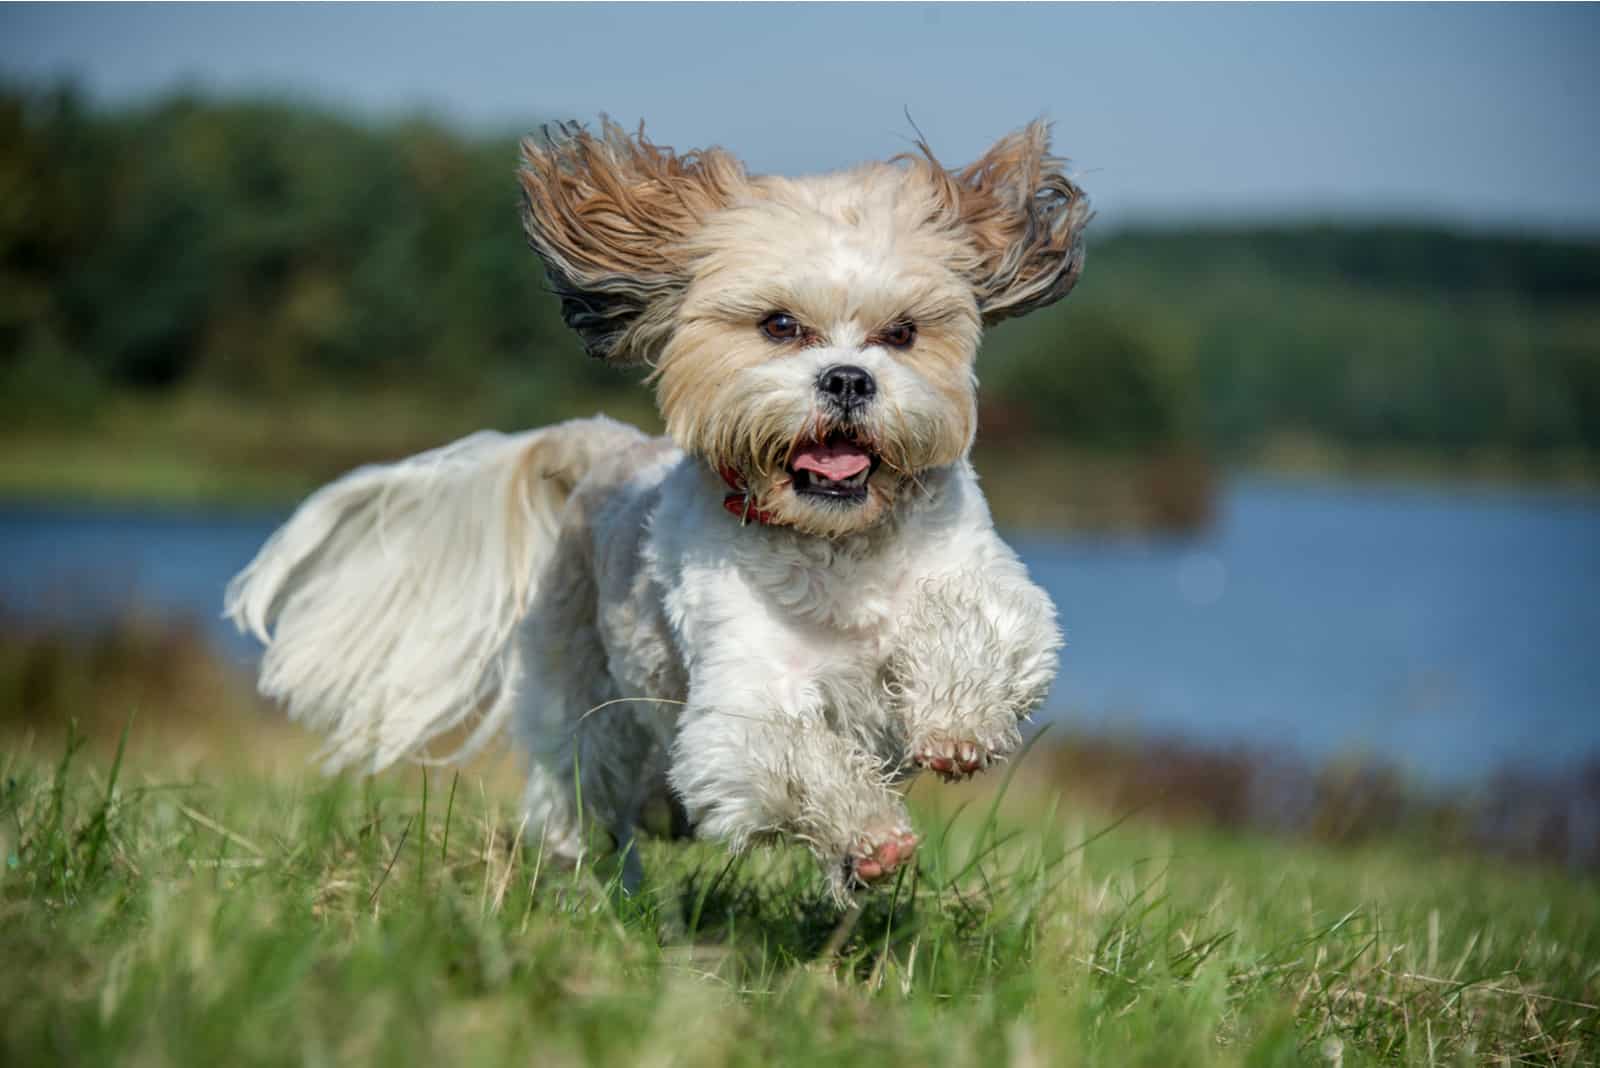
835, 462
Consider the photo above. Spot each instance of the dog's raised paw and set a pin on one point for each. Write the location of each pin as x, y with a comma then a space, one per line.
878, 856
951, 756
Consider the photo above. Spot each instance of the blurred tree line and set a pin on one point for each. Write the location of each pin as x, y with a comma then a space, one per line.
266, 249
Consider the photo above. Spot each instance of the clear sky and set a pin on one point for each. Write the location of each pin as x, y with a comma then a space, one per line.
1483, 115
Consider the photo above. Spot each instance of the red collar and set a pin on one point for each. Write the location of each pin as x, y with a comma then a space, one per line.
738, 502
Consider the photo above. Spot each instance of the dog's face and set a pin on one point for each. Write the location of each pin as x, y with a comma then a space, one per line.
814, 337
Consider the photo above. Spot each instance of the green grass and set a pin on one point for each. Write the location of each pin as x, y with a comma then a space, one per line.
239, 917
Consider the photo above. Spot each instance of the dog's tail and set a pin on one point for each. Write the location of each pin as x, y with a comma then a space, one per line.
388, 602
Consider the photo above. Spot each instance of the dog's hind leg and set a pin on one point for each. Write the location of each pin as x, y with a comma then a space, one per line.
564, 678
595, 783
594, 759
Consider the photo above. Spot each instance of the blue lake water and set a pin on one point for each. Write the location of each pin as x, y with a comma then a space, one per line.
1453, 632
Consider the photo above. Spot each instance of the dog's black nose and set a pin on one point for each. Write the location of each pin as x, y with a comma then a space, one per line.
847, 386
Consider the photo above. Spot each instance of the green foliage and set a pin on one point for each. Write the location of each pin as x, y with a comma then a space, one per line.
1077, 373
1368, 336
268, 248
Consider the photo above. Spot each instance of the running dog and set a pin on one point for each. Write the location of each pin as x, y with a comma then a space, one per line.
769, 619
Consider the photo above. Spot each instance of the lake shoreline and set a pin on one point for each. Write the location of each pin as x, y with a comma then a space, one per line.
1086, 491
1446, 632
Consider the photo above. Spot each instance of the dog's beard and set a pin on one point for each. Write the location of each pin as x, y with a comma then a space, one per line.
812, 468
831, 478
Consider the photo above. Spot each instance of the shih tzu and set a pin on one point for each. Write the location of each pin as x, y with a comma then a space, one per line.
766, 621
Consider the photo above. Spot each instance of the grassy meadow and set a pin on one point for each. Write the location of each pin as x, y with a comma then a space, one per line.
180, 885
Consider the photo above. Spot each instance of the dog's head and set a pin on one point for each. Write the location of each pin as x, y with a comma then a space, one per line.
814, 337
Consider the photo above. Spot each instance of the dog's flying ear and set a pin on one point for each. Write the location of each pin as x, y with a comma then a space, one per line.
609, 214
1026, 218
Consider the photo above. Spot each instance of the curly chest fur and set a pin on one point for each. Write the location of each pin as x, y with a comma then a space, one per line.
791, 610
851, 589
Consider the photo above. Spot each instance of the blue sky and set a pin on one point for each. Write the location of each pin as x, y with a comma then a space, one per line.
1480, 115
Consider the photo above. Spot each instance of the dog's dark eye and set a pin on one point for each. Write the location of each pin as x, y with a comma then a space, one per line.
899, 336
781, 326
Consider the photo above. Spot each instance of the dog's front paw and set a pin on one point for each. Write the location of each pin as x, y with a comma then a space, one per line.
877, 855
954, 755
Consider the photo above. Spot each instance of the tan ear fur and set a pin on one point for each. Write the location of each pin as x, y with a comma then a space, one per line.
608, 215
1026, 218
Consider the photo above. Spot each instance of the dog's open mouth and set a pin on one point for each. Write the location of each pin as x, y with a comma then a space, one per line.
835, 469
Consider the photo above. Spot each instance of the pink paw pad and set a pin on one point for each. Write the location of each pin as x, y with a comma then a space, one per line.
880, 857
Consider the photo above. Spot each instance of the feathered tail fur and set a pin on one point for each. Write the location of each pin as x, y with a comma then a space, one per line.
388, 601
